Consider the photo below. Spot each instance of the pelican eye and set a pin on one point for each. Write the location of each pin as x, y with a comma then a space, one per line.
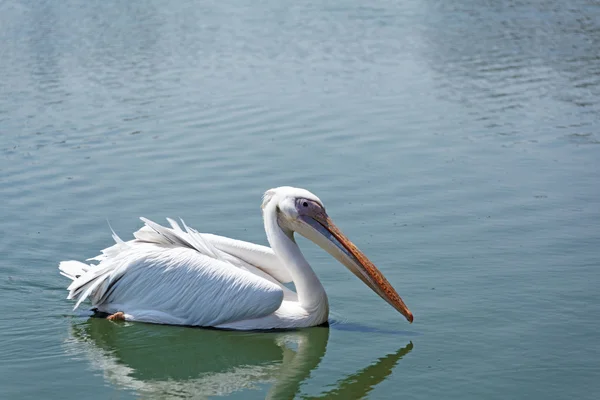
305, 204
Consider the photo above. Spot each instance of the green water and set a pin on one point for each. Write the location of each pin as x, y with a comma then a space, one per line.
456, 143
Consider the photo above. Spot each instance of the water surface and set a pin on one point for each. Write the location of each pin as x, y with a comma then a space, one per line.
456, 143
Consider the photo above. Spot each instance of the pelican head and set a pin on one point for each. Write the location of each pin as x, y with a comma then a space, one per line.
298, 210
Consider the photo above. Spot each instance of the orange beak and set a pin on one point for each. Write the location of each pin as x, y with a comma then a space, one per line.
332, 240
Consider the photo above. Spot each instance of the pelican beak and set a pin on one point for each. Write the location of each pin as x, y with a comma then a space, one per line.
321, 230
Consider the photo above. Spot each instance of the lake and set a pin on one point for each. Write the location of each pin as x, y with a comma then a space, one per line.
456, 143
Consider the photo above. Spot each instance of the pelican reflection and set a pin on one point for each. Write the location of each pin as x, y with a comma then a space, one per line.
167, 361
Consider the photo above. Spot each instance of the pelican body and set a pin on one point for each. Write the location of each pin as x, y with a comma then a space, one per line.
174, 275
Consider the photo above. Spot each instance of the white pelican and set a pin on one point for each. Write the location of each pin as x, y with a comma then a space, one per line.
183, 277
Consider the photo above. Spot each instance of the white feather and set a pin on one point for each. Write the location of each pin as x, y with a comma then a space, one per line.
168, 275
186, 285
73, 269
261, 257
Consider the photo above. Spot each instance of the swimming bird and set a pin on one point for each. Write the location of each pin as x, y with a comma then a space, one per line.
179, 276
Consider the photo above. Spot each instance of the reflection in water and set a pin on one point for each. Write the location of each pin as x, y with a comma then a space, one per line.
357, 385
186, 362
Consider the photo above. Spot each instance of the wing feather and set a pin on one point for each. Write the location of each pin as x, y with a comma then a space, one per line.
174, 274
180, 282
215, 246
261, 257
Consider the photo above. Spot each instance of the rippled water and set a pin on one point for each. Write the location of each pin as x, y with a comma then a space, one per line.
457, 143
